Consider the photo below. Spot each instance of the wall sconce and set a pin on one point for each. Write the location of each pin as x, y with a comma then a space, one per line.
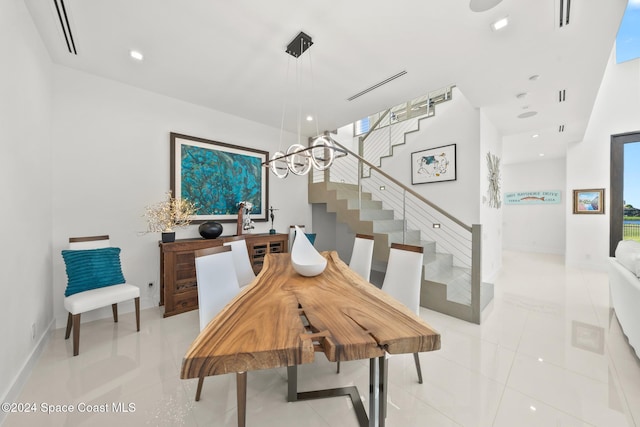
299, 159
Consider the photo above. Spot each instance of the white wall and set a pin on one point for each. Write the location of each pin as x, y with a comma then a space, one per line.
616, 110
490, 218
111, 159
25, 172
455, 122
536, 228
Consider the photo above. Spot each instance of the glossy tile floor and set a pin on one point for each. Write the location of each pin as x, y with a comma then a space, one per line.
549, 353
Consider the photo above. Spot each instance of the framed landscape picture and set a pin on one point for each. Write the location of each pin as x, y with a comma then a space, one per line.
588, 201
217, 176
434, 165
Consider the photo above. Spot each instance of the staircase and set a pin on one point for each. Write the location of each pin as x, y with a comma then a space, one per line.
446, 287
371, 202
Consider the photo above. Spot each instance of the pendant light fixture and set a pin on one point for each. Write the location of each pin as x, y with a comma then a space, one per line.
298, 159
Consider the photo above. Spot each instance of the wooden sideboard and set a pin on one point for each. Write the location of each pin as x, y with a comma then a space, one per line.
178, 286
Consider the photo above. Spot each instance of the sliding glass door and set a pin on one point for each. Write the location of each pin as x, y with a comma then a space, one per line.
625, 189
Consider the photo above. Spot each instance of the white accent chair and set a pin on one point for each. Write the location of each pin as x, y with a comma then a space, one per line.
403, 279
244, 270
92, 299
362, 255
217, 285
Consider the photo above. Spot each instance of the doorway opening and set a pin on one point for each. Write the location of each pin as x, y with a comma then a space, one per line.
624, 215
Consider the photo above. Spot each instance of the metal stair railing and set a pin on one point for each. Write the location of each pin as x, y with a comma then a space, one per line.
421, 220
392, 125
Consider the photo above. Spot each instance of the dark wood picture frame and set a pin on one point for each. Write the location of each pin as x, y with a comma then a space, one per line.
589, 201
216, 176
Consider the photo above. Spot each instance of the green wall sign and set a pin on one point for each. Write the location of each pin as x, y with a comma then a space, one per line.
532, 197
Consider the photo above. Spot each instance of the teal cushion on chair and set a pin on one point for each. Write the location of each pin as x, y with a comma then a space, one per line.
311, 237
92, 268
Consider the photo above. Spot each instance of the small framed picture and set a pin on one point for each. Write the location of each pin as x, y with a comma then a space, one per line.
588, 201
434, 165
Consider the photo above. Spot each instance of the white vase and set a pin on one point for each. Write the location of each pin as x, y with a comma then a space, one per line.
305, 259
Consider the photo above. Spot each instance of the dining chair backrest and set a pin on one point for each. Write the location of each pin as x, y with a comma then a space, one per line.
217, 281
362, 255
244, 270
93, 242
404, 275
292, 233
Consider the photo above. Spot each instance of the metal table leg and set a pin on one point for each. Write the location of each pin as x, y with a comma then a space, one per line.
377, 391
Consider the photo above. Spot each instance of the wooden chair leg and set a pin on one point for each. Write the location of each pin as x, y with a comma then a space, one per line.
417, 360
69, 320
199, 389
114, 308
76, 334
338, 367
137, 304
241, 390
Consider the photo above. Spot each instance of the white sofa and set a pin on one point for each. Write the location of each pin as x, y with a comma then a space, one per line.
624, 286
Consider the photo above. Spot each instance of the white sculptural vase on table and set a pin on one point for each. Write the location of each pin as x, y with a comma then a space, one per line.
305, 259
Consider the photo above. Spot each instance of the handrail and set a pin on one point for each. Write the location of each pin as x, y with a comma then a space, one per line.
375, 125
407, 189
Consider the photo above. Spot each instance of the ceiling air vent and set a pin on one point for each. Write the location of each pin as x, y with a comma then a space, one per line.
377, 85
562, 95
64, 25
565, 11
561, 128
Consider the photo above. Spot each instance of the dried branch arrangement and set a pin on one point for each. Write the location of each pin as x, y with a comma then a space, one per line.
169, 214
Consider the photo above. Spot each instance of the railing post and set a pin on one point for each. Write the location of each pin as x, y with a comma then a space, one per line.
404, 217
476, 271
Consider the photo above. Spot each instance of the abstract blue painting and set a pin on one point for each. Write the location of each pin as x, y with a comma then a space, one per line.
217, 176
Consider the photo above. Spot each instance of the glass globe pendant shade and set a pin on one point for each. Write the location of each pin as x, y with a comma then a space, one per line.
299, 161
278, 165
322, 153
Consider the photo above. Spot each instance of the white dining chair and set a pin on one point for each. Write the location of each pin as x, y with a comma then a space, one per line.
362, 255
95, 280
403, 279
217, 285
244, 270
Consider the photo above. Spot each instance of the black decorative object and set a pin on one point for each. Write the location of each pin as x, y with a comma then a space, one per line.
168, 236
273, 230
210, 229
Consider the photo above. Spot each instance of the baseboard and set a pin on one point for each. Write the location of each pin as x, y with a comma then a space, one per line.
25, 371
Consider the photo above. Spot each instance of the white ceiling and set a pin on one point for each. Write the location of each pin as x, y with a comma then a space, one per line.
229, 56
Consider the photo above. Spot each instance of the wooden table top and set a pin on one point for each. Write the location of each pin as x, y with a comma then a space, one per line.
263, 327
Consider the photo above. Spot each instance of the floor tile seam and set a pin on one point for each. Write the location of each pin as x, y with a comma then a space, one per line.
476, 372
562, 411
318, 413
625, 398
565, 368
594, 307
422, 399
555, 365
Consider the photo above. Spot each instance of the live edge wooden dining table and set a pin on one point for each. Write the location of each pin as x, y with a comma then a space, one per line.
282, 319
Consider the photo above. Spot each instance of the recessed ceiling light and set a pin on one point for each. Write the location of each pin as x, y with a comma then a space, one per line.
541, 154
527, 114
500, 23
534, 77
136, 55
532, 408
535, 135
309, 118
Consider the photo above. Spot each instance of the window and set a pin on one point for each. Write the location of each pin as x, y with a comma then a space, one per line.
628, 39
